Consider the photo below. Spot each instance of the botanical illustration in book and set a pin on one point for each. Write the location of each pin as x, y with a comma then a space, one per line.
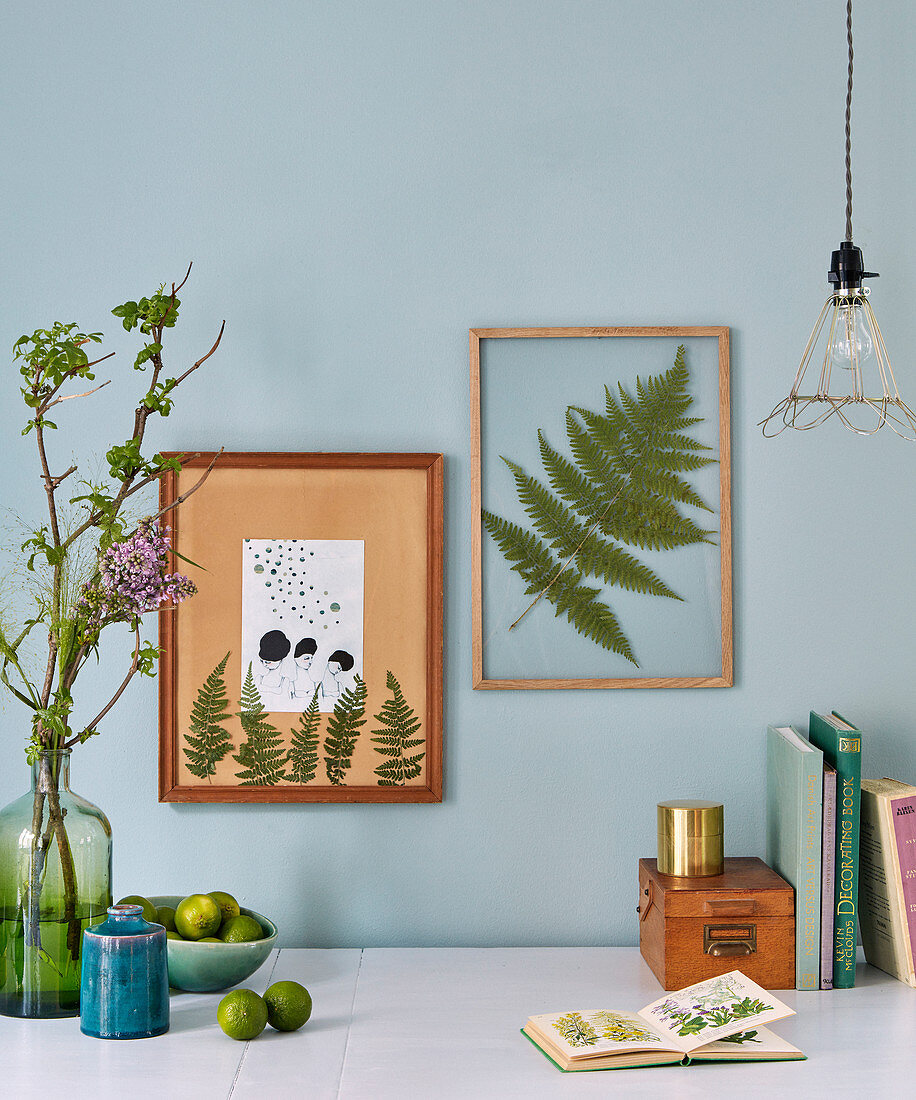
714, 1004
624, 490
718, 1019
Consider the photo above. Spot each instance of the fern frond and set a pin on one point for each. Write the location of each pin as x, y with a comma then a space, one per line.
261, 755
343, 729
398, 736
302, 758
622, 487
541, 573
570, 538
208, 742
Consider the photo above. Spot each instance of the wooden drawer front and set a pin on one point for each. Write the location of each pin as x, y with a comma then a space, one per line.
678, 949
726, 904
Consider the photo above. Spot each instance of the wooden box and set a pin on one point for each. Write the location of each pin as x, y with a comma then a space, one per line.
691, 929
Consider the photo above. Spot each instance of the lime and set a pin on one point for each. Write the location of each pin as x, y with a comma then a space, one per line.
172, 935
197, 916
241, 930
229, 907
149, 910
289, 1005
209, 939
165, 915
242, 1014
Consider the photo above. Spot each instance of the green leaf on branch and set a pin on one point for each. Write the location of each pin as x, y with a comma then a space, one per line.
147, 658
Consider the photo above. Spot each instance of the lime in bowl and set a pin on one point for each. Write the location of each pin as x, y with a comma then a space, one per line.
198, 967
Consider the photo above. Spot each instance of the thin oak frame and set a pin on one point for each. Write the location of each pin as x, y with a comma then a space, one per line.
170, 788
721, 334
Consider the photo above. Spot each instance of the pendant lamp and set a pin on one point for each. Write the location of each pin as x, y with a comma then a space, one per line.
844, 370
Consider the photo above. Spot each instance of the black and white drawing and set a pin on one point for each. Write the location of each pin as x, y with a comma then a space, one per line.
302, 619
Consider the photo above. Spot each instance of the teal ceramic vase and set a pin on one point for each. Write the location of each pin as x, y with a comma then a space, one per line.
125, 986
55, 880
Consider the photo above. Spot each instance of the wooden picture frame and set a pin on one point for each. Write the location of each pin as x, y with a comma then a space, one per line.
375, 522
509, 368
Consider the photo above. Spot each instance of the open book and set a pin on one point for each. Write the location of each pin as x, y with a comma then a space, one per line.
718, 1020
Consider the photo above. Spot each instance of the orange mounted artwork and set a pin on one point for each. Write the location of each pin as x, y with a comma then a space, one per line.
308, 668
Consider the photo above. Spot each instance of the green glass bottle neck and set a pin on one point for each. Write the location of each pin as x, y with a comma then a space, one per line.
51, 769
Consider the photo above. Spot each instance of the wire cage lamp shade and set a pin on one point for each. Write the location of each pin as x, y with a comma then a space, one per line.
845, 371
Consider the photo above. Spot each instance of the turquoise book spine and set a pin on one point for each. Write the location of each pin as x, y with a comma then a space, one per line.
795, 770
841, 743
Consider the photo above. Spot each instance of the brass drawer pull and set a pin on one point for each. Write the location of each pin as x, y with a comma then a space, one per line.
729, 940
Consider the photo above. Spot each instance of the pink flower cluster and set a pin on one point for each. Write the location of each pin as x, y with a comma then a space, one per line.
132, 579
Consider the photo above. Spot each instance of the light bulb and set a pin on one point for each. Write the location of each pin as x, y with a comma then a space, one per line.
851, 345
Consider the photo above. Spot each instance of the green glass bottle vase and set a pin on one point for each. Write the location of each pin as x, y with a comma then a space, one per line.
55, 880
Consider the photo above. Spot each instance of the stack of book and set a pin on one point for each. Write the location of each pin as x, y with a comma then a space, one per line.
813, 797
848, 847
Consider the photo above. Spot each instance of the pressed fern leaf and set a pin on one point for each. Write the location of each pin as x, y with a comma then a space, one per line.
541, 572
261, 755
397, 738
624, 486
302, 758
208, 742
343, 729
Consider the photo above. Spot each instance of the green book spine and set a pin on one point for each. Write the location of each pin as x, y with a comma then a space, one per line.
795, 780
842, 747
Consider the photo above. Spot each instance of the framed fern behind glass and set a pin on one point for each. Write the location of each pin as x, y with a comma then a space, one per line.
308, 667
601, 485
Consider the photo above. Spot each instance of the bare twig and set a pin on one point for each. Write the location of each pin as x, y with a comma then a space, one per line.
134, 665
175, 289
55, 481
68, 374
193, 489
190, 370
72, 396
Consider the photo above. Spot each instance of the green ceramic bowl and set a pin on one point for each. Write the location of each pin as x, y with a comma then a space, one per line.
206, 967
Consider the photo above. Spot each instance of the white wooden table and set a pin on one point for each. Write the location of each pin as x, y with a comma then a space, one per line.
418, 1023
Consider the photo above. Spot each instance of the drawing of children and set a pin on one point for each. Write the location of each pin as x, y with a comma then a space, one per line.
273, 650
301, 685
339, 661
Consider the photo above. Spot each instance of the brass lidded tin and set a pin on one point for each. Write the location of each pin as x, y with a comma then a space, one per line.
690, 838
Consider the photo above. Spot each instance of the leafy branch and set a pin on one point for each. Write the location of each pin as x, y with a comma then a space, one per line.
49, 361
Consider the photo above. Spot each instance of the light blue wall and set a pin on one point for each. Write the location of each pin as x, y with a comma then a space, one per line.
359, 183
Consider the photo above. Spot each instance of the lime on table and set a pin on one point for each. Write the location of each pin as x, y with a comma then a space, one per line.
242, 1014
241, 929
289, 1005
149, 910
229, 907
197, 916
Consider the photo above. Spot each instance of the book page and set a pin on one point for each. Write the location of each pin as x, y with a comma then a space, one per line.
748, 1045
712, 1010
598, 1032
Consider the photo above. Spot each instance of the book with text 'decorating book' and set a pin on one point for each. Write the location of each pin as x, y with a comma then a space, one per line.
718, 1020
841, 743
